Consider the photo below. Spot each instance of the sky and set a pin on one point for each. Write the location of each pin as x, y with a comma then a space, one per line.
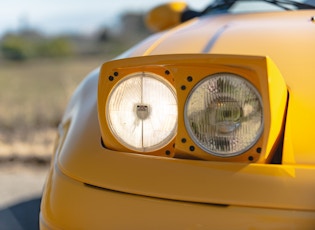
72, 16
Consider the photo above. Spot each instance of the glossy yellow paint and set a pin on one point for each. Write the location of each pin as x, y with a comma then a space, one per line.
165, 16
70, 204
266, 193
261, 71
92, 187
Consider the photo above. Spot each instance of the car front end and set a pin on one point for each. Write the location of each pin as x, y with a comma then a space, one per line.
207, 125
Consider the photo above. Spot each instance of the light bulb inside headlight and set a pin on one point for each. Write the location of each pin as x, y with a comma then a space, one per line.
142, 112
224, 114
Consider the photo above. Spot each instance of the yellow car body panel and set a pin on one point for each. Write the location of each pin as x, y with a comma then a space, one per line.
92, 187
70, 204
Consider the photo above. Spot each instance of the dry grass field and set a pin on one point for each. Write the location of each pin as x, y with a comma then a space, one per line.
33, 96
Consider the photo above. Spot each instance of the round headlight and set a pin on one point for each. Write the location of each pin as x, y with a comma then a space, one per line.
142, 112
224, 114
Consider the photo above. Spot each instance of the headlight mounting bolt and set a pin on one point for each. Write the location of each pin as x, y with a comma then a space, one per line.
189, 79
111, 78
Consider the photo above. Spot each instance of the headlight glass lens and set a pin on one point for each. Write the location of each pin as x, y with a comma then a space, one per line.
224, 114
142, 112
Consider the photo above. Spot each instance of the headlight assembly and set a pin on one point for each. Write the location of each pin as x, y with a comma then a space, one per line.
209, 107
224, 114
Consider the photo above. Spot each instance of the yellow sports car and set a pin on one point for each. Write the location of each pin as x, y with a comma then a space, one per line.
207, 124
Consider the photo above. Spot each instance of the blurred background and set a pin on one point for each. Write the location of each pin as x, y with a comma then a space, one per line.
46, 49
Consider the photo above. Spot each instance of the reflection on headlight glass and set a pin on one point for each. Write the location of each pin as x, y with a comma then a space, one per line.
224, 114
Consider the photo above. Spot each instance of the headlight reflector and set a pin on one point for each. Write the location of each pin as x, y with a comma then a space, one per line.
224, 114
142, 112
